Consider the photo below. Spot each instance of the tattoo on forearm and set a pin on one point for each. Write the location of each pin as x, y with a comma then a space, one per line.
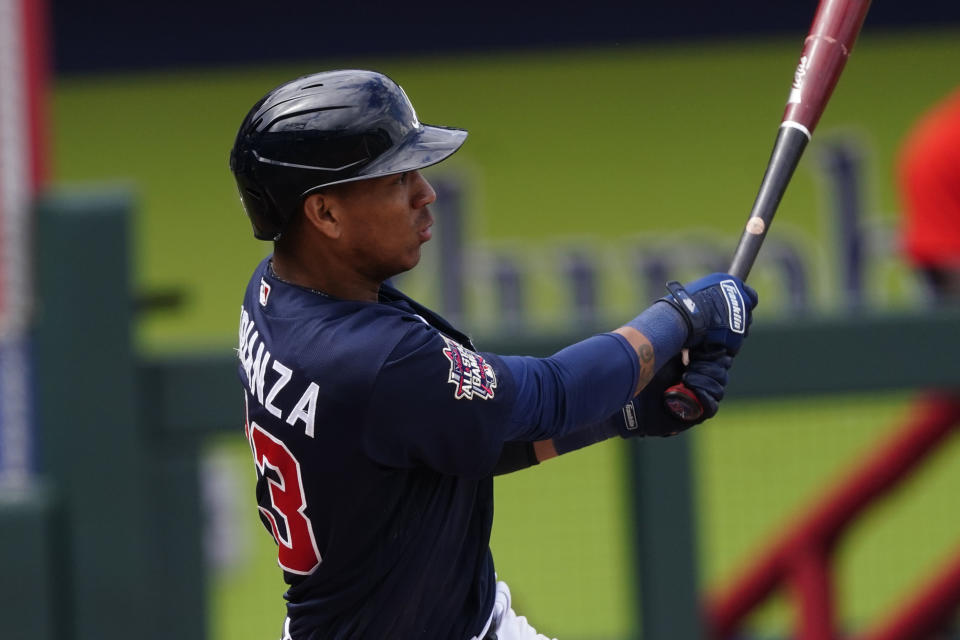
645, 356
645, 359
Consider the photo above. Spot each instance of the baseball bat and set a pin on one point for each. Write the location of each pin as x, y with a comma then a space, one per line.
824, 54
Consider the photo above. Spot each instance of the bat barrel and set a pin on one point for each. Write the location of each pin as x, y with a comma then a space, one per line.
825, 52
789, 146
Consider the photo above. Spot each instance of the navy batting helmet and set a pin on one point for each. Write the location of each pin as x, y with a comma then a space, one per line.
324, 129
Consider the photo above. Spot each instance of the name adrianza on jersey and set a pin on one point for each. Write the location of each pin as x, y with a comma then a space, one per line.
259, 364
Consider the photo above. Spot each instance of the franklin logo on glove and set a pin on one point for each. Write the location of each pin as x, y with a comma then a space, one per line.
734, 305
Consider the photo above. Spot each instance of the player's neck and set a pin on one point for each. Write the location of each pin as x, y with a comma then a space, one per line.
329, 278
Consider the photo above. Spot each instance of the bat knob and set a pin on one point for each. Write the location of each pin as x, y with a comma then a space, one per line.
682, 403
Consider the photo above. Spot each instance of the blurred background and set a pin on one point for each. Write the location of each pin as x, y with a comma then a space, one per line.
613, 146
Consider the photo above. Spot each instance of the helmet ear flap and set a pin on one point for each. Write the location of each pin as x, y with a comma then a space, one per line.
254, 196
241, 157
264, 211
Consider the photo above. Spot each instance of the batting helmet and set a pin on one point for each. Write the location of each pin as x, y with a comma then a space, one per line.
324, 129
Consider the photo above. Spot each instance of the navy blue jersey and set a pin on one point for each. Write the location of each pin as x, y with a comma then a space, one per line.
374, 435
375, 429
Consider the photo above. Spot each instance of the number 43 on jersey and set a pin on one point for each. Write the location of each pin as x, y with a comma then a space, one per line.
282, 504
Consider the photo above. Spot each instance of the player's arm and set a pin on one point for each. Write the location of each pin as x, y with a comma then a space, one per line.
705, 374
468, 405
583, 383
700, 316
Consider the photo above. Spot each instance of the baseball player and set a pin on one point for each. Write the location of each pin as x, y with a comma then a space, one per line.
376, 427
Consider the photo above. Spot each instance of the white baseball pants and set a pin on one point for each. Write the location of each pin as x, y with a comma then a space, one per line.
504, 623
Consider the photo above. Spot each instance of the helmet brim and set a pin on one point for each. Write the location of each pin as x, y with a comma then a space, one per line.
425, 147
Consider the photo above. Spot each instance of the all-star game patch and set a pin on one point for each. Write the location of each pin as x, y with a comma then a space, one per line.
472, 376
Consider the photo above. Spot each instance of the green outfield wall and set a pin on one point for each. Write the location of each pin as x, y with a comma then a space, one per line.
611, 150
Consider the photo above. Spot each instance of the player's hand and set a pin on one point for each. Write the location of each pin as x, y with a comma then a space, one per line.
718, 310
706, 376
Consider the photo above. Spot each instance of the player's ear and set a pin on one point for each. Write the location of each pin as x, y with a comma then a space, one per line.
321, 215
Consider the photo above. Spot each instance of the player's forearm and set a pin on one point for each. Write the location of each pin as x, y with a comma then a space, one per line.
587, 382
578, 385
516, 456
578, 439
663, 324
544, 450
656, 335
522, 455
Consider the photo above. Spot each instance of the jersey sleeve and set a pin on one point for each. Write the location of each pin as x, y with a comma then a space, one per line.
437, 403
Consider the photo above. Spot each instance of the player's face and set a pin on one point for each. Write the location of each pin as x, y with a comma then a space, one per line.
384, 223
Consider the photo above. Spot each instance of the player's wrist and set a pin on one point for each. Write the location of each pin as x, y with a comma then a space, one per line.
665, 327
716, 308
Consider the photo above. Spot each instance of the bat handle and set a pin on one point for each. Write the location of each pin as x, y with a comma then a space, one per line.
791, 140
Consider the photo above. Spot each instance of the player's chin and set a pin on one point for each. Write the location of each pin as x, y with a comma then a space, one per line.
411, 259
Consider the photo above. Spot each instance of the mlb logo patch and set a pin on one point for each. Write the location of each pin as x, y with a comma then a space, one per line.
264, 292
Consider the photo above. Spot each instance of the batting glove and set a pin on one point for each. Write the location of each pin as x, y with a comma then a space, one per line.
706, 376
717, 310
